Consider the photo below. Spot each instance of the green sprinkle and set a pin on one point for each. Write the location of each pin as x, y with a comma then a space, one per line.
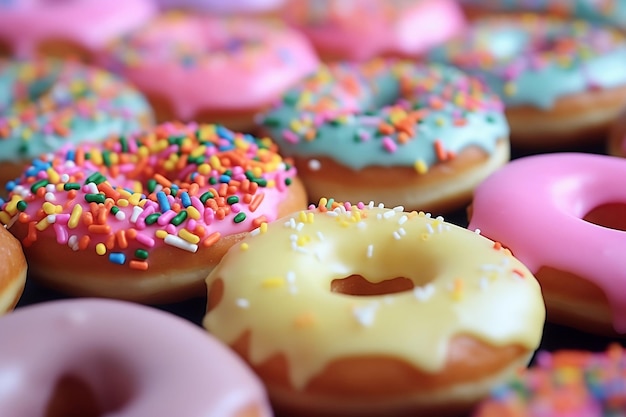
21, 205
141, 254
241, 216
152, 218
232, 199
205, 197
212, 180
38, 185
96, 178
71, 186
106, 158
115, 210
271, 121
329, 203
288, 181
123, 144
95, 198
261, 181
179, 218
151, 185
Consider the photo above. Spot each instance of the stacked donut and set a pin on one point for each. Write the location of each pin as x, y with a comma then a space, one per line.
275, 172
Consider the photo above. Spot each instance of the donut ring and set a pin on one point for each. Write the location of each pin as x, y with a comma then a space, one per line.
419, 136
50, 103
561, 81
572, 383
217, 69
12, 271
145, 218
360, 311
99, 357
559, 216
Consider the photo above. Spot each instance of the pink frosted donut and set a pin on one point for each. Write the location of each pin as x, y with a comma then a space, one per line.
212, 69
564, 216
104, 357
364, 29
221, 6
62, 28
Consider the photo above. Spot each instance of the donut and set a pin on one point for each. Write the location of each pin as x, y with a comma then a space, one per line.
564, 383
223, 7
48, 103
564, 216
561, 81
146, 217
611, 12
204, 68
76, 29
361, 310
12, 271
359, 30
419, 136
107, 357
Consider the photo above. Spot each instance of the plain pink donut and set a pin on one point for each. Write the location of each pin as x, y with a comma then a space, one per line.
136, 360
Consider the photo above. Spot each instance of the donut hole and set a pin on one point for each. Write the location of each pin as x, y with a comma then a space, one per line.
359, 286
610, 215
73, 397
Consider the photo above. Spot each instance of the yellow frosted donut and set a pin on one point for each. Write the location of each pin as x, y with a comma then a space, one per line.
364, 310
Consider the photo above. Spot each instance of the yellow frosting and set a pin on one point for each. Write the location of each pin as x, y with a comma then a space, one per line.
277, 285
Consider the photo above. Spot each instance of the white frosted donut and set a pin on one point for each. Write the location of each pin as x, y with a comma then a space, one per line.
363, 310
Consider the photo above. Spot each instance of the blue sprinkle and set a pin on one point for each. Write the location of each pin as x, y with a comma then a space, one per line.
163, 202
225, 178
41, 165
225, 133
185, 199
117, 258
10, 186
70, 155
2, 202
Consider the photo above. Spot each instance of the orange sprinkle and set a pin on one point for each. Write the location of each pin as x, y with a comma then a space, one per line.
256, 201
131, 233
83, 242
100, 229
23, 218
247, 198
108, 191
220, 213
386, 129
497, 245
139, 265
304, 320
519, 272
110, 242
31, 236
87, 218
259, 221
212, 239
440, 151
120, 235
223, 190
160, 179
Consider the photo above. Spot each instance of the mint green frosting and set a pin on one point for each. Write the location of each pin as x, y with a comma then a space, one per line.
47, 104
535, 61
338, 111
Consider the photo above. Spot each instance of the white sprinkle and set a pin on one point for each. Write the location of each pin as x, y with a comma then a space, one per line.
477, 231
72, 242
51, 218
242, 303
370, 250
299, 226
332, 213
361, 225
65, 178
388, 299
255, 231
315, 165
120, 215
381, 205
320, 235
293, 237
402, 219
50, 188
425, 292
401, 231
397, 236
365, 315
483, 283
180, 243
291, 281
389, 214
92, 188
379, 216
50, 197
318, 256
430, 228
136, 213
370, 205
398, 208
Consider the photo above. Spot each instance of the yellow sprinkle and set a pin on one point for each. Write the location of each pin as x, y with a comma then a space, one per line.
75, 216
134, 199
310, 217
42, 224
11, 206
53, 176
215, 162
303, 240
193, 213
457, 291
425, 236
122, 202
5, 218
275, 282
50, 208
304, 320
244, 246
204, 169
101, 249
188, 236
510, 89
161, 234
263, 227
302, 217
420, 166
198, 151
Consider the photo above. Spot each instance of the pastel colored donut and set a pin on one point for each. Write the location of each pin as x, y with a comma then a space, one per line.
564, 383
366, 311
77, 28
212, 69
146, 217
45, 104
105, 357
420, 136
560, 80
12, 271
612, 12
563, 216
221, 6
359, 30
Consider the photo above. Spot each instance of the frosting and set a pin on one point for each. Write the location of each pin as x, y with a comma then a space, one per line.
386, 113
202, 62
533, 60
221, 6
46, 104
25, 24
535, 206
179, 185
611, 12
364, 29
137, 361
565, 383
463, 284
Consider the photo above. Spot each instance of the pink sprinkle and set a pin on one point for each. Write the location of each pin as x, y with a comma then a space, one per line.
235, 208
145, 240
290, 136
61, 233
166, 217
389, 145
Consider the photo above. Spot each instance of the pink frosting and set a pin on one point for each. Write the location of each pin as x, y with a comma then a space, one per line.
363, 29
206, 62
138, 361
89, 23
535, 206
